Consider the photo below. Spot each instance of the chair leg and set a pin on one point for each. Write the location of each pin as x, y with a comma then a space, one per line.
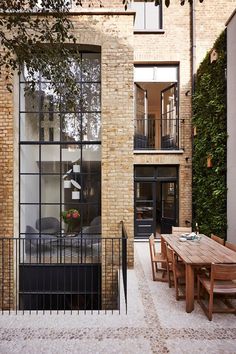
177, 290
210, 307
153, 272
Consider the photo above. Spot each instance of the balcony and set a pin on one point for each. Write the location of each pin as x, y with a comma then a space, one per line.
156, 134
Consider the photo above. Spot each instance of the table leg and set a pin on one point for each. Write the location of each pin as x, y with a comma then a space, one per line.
189, 288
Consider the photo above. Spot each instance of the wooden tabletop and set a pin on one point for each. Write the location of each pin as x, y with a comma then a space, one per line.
203, 252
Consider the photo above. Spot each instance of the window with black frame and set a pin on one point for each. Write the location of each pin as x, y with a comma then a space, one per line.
148, 15
60, 154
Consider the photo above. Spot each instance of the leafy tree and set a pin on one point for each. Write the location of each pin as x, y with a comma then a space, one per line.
167, 2
36, 33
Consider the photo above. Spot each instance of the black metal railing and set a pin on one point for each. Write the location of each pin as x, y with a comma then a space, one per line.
62, 274
124, 261
156, 134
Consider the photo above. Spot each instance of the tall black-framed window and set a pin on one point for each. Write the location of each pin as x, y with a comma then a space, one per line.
60, 153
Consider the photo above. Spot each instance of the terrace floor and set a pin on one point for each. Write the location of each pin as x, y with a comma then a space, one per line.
155, 323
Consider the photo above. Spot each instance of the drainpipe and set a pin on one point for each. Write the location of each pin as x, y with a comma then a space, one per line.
193, 63
193, 42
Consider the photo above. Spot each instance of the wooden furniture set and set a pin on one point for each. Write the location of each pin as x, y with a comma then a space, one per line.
208, 260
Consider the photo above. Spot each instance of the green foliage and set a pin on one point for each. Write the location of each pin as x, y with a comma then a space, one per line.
209, 107
158, 2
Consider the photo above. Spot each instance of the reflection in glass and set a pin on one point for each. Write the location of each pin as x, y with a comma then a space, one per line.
28, 216
144, 171
71, 126
91, 68
91, 126
50, 186
91, 100
144, 210
29, 157
29, 188
50, 158
144, 191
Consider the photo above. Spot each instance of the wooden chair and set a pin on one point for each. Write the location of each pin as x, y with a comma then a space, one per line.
169, 265
221, 282
178, 271
230, 245
157, 259
218, 239
178, 230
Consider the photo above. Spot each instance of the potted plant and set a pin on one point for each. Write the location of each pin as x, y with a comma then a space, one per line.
71, 217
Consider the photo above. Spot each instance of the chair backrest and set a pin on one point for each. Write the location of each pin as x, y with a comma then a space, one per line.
230, 245
152, 247
179, 229
217, 239
169, 253
48, 223
223, 271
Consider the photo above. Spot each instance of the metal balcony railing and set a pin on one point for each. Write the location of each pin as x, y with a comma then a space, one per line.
63, 274
156, 134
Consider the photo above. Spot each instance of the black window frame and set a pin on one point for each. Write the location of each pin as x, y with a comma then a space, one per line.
81, 144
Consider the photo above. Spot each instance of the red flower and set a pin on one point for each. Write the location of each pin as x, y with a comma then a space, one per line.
75, 215
68, 215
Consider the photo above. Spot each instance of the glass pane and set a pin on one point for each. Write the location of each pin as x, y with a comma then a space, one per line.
144, 171
144, 210
91, 218
71, 127
167, 172
29, 158
152, 20
169, 118
50, 219
168, 200
144, 191
29, 101
29, 214
71, 157
139, 18
50, 158
49, 100
91, 67
50, 124
91, 155
29, 189
91, 188
29, 126
91, 126
91, 100
50, 189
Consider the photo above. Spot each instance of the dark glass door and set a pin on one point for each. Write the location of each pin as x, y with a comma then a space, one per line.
144, 209
156, 200
168, 206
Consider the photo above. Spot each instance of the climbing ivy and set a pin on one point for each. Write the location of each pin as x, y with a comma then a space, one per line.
209, 120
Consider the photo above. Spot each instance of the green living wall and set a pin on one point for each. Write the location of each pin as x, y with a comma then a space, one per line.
209, 142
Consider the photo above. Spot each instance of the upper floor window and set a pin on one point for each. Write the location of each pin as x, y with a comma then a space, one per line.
148, 15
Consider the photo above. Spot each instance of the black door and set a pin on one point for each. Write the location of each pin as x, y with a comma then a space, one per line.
156, 202
145, 222
168, 206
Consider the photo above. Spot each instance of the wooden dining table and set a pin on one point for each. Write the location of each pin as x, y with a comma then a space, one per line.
197, 254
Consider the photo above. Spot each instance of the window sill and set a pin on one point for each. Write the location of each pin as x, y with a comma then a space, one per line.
180, 151
149, 31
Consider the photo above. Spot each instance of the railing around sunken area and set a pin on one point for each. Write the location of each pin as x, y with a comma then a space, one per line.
70, 273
